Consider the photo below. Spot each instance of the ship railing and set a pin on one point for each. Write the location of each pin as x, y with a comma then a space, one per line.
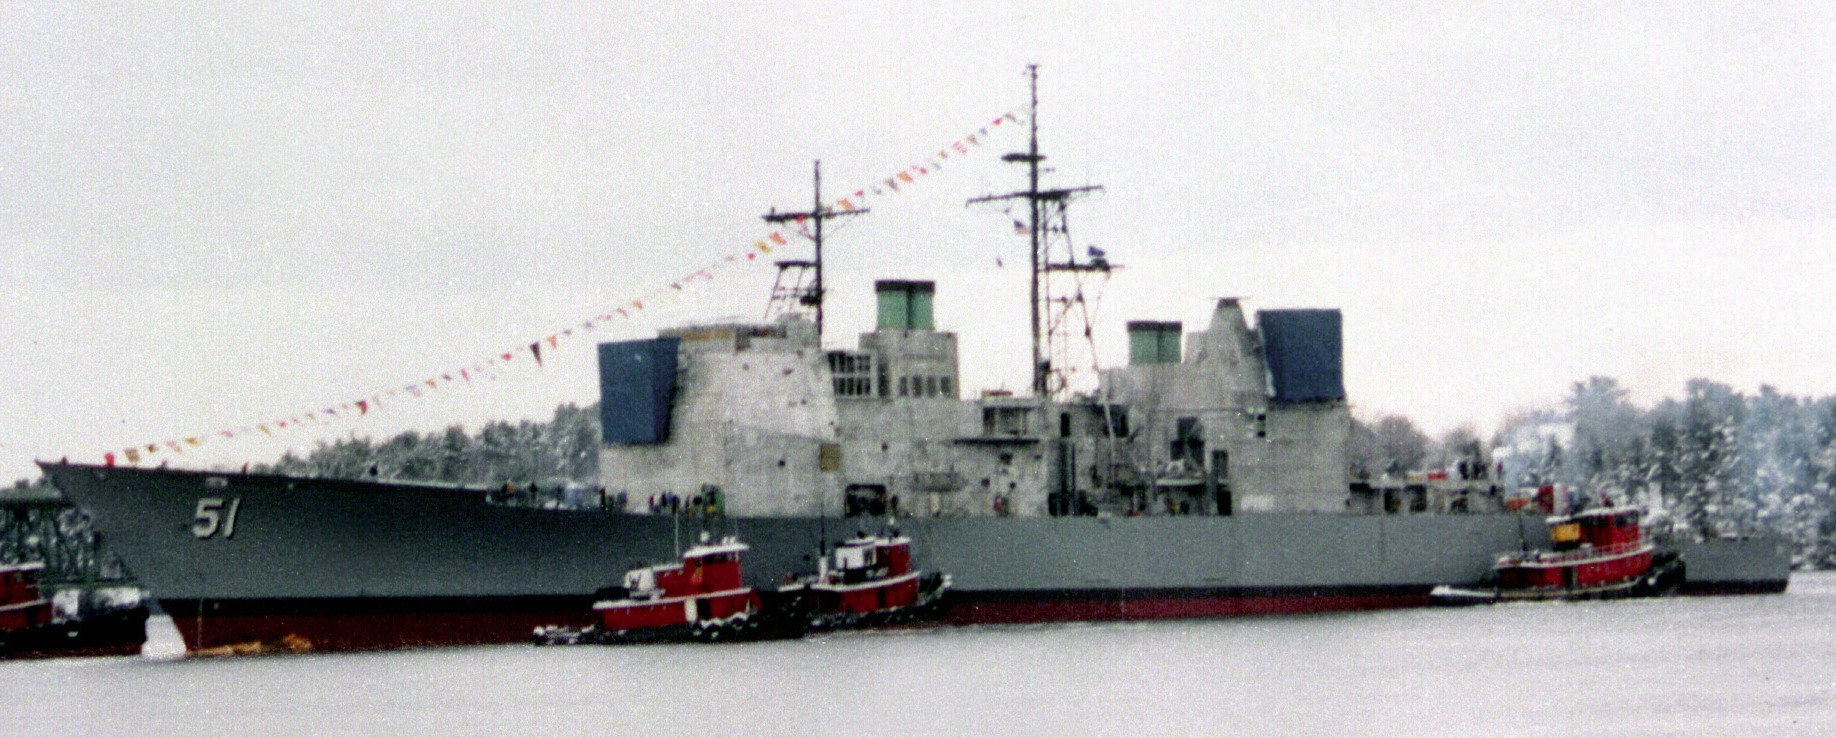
1562, 557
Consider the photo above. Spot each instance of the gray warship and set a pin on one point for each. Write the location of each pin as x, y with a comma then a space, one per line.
1207, 477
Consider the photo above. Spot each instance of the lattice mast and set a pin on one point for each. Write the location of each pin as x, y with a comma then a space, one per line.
1046, 218
799, 284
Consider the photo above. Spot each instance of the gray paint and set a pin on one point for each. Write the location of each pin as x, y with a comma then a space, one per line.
323, 538
1736, 561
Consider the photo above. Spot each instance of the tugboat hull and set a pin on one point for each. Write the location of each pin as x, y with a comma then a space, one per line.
114, 633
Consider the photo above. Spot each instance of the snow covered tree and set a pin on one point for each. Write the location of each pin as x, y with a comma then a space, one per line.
1400, 446
1776, 444
1362, 454
1607, 454
1460, 445
567, 447
1709, 467
575, 433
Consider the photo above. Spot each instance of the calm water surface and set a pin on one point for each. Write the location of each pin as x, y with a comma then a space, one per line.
1693, 666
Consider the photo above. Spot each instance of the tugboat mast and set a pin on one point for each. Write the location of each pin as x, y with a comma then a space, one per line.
798, 293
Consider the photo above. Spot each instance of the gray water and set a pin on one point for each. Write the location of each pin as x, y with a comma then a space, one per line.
1761, 665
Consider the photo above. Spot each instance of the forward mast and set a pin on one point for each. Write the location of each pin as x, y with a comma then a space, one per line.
799, 285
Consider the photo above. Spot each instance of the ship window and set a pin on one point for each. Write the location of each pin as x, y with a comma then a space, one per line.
930, 386
1007, 421
853, 373
1188, 441
945, 383
905, 385
1118, 421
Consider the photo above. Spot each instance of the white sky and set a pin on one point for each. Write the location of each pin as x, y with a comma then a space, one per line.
212, 219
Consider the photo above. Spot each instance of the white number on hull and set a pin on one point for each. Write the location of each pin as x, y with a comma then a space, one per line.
214, 517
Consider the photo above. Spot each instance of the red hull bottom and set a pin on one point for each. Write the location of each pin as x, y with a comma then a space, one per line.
364, 625
1008, 610
310, 633
319, 626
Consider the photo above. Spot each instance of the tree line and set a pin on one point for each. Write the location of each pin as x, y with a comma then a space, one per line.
564, 448
1715, 462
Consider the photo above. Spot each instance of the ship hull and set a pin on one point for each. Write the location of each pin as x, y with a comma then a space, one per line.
1728, 566
368, 623
341, 565
1034, 606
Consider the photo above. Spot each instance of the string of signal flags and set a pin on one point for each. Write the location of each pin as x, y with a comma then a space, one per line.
531, 352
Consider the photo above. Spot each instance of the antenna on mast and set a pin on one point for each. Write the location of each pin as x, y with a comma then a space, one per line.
1046, 216
792, 292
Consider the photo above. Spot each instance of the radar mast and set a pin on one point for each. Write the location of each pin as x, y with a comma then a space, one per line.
799, 283
1050, 236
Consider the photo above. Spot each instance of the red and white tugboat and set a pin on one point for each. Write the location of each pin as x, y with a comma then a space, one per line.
868, 581
703, 597
22, 606
32, 627
1598, 553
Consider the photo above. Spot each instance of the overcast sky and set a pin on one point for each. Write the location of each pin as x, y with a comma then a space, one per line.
211, 219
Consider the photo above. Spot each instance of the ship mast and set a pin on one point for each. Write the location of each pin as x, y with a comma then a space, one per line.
786, 297
1046, 214
1041, 204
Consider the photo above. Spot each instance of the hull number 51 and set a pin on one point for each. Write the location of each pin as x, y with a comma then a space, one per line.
215, 517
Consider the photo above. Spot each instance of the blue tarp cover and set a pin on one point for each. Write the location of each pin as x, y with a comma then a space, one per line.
637, 380
1305, 351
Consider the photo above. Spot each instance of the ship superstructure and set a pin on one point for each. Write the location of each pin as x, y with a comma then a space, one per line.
1232, 418
762, 417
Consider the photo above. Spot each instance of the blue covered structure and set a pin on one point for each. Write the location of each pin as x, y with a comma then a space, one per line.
1305, 353
637, 381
